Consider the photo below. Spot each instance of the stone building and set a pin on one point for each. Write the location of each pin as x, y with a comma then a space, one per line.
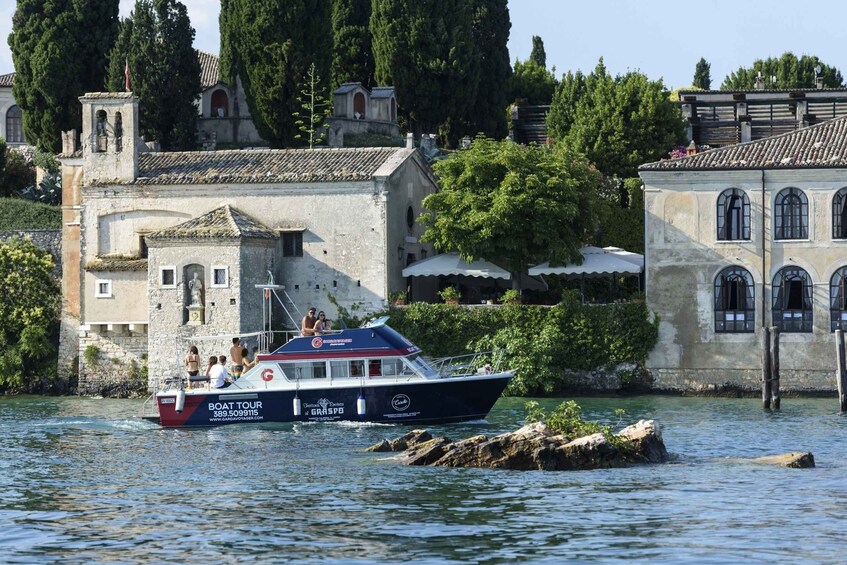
743, 237
142, 228
357, 110
11, 116
223, 114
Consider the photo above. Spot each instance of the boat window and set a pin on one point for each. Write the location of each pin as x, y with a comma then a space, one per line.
339, 369
304, 370
391, 367
357, 368
374, 368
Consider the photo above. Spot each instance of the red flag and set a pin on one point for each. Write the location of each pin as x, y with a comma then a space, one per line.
126, 75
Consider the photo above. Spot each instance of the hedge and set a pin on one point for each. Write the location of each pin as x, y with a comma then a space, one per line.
18, 214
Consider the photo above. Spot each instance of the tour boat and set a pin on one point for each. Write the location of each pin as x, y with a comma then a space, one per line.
367, 374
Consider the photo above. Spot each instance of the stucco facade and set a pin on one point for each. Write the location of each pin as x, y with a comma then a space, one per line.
707, 339
341, 222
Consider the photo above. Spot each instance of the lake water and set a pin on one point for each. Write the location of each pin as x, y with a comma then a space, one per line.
86, 480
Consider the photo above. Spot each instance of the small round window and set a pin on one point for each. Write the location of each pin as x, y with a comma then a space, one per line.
410, 217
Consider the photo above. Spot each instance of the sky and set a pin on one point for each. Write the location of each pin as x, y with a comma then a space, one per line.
662, 39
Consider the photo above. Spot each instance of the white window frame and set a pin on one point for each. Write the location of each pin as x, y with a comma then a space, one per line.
223, 268
107, 293
162, 270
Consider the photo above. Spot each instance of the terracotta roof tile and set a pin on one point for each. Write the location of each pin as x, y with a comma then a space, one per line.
262, 165
209, 75
116, 263
221, 223
7, 80
814, 147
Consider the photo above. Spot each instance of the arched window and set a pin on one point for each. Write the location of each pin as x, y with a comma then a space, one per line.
838, 300
839, 214
792, 300
791, 214
733, 215
119, 132
220, 104
735, 302
102, 141
14, 125
359, 106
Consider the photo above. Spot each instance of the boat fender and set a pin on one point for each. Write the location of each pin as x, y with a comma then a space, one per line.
298, 409
361, 407
180, 401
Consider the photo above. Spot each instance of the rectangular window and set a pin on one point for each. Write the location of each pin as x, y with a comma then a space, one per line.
102, 289
292, 244
220, 276
167, 277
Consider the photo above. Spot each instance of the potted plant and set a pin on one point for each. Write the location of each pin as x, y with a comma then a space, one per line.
450, 295
397, 298
511, 296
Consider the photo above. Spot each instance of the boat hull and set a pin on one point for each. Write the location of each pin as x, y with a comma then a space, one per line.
425, 401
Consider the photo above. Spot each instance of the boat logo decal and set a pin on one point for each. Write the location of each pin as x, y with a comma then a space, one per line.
401, 402
168, 400
323, 407
267, 374
317, 342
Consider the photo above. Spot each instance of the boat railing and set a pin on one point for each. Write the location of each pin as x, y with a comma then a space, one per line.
482, 363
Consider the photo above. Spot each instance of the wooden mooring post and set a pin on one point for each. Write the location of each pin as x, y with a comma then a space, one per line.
841, 372
770, 368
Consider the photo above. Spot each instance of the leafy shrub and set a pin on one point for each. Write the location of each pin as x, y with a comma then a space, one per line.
18, 214
91, 355
48, 191
566, 419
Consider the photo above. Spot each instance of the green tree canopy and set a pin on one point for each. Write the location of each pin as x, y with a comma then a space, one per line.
512, 204
28, 323
426, 50
789, 70
352, 54
156, 43
702, 75
618, 123
532, 83
491, 27
538, 55
270, 46
60, 51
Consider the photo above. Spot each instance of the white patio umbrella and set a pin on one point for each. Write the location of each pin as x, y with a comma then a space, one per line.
596, 262
448, 264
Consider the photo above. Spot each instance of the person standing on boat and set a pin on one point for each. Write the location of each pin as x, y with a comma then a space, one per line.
322, 326
307, 327
237, 359
218, 375
192, 361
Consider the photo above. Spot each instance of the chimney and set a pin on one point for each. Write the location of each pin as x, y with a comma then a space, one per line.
760, 82
691, 149
410, 140
70, 143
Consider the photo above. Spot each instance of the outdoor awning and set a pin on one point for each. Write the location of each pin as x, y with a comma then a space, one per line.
634, 258
448, 264
597, 262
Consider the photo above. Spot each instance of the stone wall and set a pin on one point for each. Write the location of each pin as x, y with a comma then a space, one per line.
745, 381
48, 240
115, 364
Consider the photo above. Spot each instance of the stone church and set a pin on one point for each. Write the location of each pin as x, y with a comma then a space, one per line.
164, 250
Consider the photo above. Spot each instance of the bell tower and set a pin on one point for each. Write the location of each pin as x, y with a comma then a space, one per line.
109, 137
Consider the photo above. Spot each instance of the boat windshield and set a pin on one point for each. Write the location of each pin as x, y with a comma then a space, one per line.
417, 365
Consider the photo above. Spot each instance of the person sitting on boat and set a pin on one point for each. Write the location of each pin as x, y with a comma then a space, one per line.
307, 327
218, 374
213, 360
322, 326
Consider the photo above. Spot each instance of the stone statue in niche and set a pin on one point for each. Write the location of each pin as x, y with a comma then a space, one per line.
195, 287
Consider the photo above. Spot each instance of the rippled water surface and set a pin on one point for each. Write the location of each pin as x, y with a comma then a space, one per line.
86, 480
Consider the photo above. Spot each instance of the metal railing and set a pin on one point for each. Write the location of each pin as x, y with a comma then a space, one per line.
482, 363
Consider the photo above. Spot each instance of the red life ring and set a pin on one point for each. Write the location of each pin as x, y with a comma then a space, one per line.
267, 375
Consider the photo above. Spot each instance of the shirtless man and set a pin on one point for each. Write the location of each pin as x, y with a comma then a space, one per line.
235, 355
307, 327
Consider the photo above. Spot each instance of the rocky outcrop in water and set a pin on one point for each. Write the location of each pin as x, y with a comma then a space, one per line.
796, 460
533, 447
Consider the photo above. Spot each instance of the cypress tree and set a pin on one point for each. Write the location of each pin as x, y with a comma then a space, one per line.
538, 55
702, 75
156, 41
60, 51
426, 50
491, 27
270, 46
352, 55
